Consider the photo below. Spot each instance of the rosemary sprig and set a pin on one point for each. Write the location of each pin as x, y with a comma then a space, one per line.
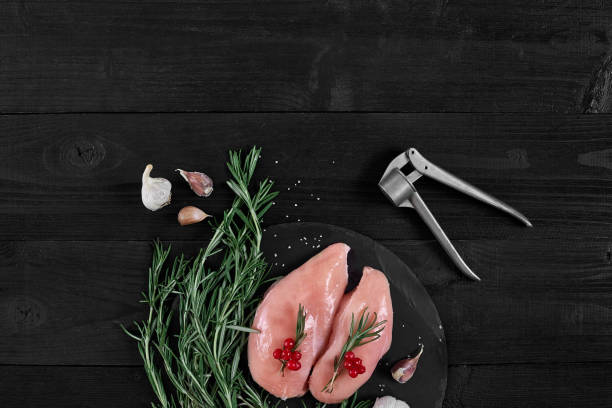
199, 366
366, 331
299, 334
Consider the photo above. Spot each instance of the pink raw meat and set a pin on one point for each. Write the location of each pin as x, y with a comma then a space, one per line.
373, 293
318, 285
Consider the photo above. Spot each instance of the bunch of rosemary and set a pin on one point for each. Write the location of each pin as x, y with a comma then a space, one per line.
198, 366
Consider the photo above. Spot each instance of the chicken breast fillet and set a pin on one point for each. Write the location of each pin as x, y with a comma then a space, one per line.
371, 293
318, 285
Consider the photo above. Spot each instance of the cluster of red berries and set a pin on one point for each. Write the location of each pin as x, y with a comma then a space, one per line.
353, 364
291, 358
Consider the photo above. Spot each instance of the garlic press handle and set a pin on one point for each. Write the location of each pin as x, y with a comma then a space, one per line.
427, 168
421, 208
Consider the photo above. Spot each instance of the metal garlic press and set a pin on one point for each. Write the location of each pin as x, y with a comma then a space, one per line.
399, 188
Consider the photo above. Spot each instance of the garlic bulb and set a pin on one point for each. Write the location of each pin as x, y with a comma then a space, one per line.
389, 402
191, 215
155, 191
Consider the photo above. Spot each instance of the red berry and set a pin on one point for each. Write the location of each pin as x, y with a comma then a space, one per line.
278, 353
289, 343
293, 365
361, 369
286, 355
349, 355
347, 364
353, 372
296, 355
356, 361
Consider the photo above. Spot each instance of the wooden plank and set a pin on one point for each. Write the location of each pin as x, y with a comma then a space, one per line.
74, 387
77, 177
525, 385
418, 56
522, 385
539, 301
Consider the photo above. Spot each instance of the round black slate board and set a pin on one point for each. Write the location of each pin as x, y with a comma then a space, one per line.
416, 320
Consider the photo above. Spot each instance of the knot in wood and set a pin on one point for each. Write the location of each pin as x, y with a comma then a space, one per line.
83, 153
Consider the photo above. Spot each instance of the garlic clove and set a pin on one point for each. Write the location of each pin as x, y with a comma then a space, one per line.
404, 369
191, 215
200, 183
156, 192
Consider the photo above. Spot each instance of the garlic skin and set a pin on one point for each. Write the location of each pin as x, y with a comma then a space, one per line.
389, 402
404, 369
200, 183
191, 215
156, 192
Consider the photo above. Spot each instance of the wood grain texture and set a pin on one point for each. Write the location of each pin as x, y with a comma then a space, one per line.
74, 387
388, 55
77, 177
539, 301
520, 385
524, 385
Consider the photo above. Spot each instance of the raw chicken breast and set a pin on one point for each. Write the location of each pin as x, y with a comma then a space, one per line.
318, 285
373, 293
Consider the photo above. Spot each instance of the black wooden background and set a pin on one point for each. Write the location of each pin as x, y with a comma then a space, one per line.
496, 91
